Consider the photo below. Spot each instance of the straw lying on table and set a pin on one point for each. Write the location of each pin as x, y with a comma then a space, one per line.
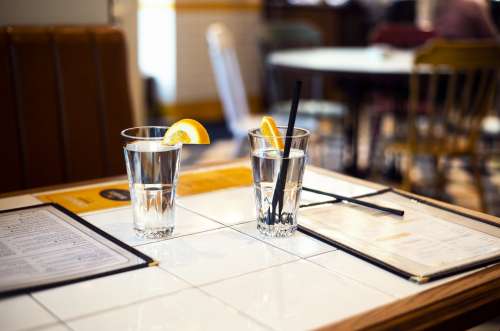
279, 190
357, 201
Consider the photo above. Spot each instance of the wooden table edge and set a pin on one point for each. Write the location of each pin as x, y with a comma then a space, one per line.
430, 308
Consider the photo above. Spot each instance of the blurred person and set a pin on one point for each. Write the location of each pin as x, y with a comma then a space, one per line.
464, 19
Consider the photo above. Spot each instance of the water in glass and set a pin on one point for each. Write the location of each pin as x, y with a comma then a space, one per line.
266, 165
152, 171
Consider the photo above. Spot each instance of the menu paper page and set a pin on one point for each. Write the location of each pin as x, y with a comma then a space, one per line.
44, 245
426, 240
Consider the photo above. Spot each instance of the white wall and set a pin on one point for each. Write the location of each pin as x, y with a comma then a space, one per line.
173, 47
195, 78
157, 45
125, 16
54, 12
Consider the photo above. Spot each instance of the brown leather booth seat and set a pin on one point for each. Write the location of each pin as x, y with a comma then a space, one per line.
64, 97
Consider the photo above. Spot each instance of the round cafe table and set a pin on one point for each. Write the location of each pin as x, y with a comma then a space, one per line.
359, 67
374, 60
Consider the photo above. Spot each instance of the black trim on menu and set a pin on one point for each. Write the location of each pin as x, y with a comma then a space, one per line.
355, 252
429, 203
147, 260
393, 269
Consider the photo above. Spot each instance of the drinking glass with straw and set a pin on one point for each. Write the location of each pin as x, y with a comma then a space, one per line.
278, 156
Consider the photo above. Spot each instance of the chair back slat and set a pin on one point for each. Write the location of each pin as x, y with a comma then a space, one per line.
414, 105
466, 96
451, 91
484, 100
431, 99
461, 78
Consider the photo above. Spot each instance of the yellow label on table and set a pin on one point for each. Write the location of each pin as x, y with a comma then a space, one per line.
117, 195
90, 199
212, 180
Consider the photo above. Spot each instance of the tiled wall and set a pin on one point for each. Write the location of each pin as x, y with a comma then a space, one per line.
190, 65
195, 79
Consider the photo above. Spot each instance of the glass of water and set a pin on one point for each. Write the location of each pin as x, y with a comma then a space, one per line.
152, 169
266, 165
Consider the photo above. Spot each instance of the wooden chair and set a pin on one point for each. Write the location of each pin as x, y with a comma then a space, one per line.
386, 97
65, 97
232, 93
452, 89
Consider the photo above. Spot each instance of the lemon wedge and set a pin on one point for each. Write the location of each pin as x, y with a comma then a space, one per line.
186, 131
271, 133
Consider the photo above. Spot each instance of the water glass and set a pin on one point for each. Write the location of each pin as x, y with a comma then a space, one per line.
266, 164
153, 170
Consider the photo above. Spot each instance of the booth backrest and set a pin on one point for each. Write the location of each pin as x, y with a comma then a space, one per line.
64, 97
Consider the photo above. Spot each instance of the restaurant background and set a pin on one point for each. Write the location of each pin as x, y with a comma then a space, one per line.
170, 74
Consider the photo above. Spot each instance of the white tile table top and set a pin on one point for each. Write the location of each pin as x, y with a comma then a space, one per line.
299, 244
354, 268
214, 255
186, 310
55, 327
236, 205
245, 281
296, 296
228, 206
22, 312
88, 297
119, 223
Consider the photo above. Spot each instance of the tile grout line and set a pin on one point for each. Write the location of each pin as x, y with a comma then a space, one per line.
191, 287
136, 302
315, 255
243, 274
236, 309
212, 219
198, 287
277, 247
179, 236
47, 309
46, 326
352, 279
265, 242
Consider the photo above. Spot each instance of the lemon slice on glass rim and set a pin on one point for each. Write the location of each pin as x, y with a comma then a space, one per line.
186, 131
271, 133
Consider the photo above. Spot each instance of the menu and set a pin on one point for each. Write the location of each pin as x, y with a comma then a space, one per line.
45, 246
426, 243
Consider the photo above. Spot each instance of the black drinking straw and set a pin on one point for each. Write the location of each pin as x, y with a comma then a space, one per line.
279, 190
357, 201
